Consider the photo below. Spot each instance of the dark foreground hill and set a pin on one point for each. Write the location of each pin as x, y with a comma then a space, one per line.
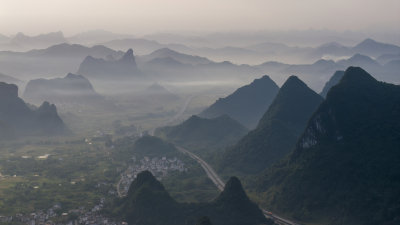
247, 104
200, 133
148, 203
18, 119
345, 168
277, 131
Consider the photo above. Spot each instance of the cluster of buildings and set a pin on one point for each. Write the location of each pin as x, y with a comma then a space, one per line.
159, 167
53, 216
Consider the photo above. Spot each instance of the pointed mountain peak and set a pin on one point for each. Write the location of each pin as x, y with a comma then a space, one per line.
293, 82
323, 62
293, 95
47, 107
89, 58
359, 56
357, 76
129, 52
263, 79
165, 51
145, 179
234, 185
233, 192
128, 56
368, 41
158, 89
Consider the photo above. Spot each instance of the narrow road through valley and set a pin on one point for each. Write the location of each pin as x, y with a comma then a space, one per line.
220, 185
118, 187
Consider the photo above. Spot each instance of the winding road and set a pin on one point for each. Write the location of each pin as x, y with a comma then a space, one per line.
220, 185
210, 171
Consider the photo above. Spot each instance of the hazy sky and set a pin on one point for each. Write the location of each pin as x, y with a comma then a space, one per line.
148, 16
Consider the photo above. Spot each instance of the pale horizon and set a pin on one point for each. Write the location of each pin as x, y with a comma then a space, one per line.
189, 16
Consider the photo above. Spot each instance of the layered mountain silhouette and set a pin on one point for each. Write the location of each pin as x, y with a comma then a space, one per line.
201, 133
22, 120
331, 48
91, 37
148, 203
180, 57
23, 42
169, 65
277, 131
345, 166
373, 48
385, 58
361, 61
167, 62
143, 46
123, 68
56, 59
66, 50
70, 90
335, 79
247, 104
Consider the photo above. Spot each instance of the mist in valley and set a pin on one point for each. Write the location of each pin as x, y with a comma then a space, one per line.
187, 112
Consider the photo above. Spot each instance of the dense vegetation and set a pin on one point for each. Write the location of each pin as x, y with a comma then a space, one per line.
277, 131
345, 168
74, 174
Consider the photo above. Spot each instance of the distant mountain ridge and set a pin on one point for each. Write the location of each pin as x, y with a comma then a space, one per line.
247, 104
74, 50
123, 68
180, 57
374, 48
42, 40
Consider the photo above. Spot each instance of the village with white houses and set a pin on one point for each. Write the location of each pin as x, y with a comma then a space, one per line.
159, 167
